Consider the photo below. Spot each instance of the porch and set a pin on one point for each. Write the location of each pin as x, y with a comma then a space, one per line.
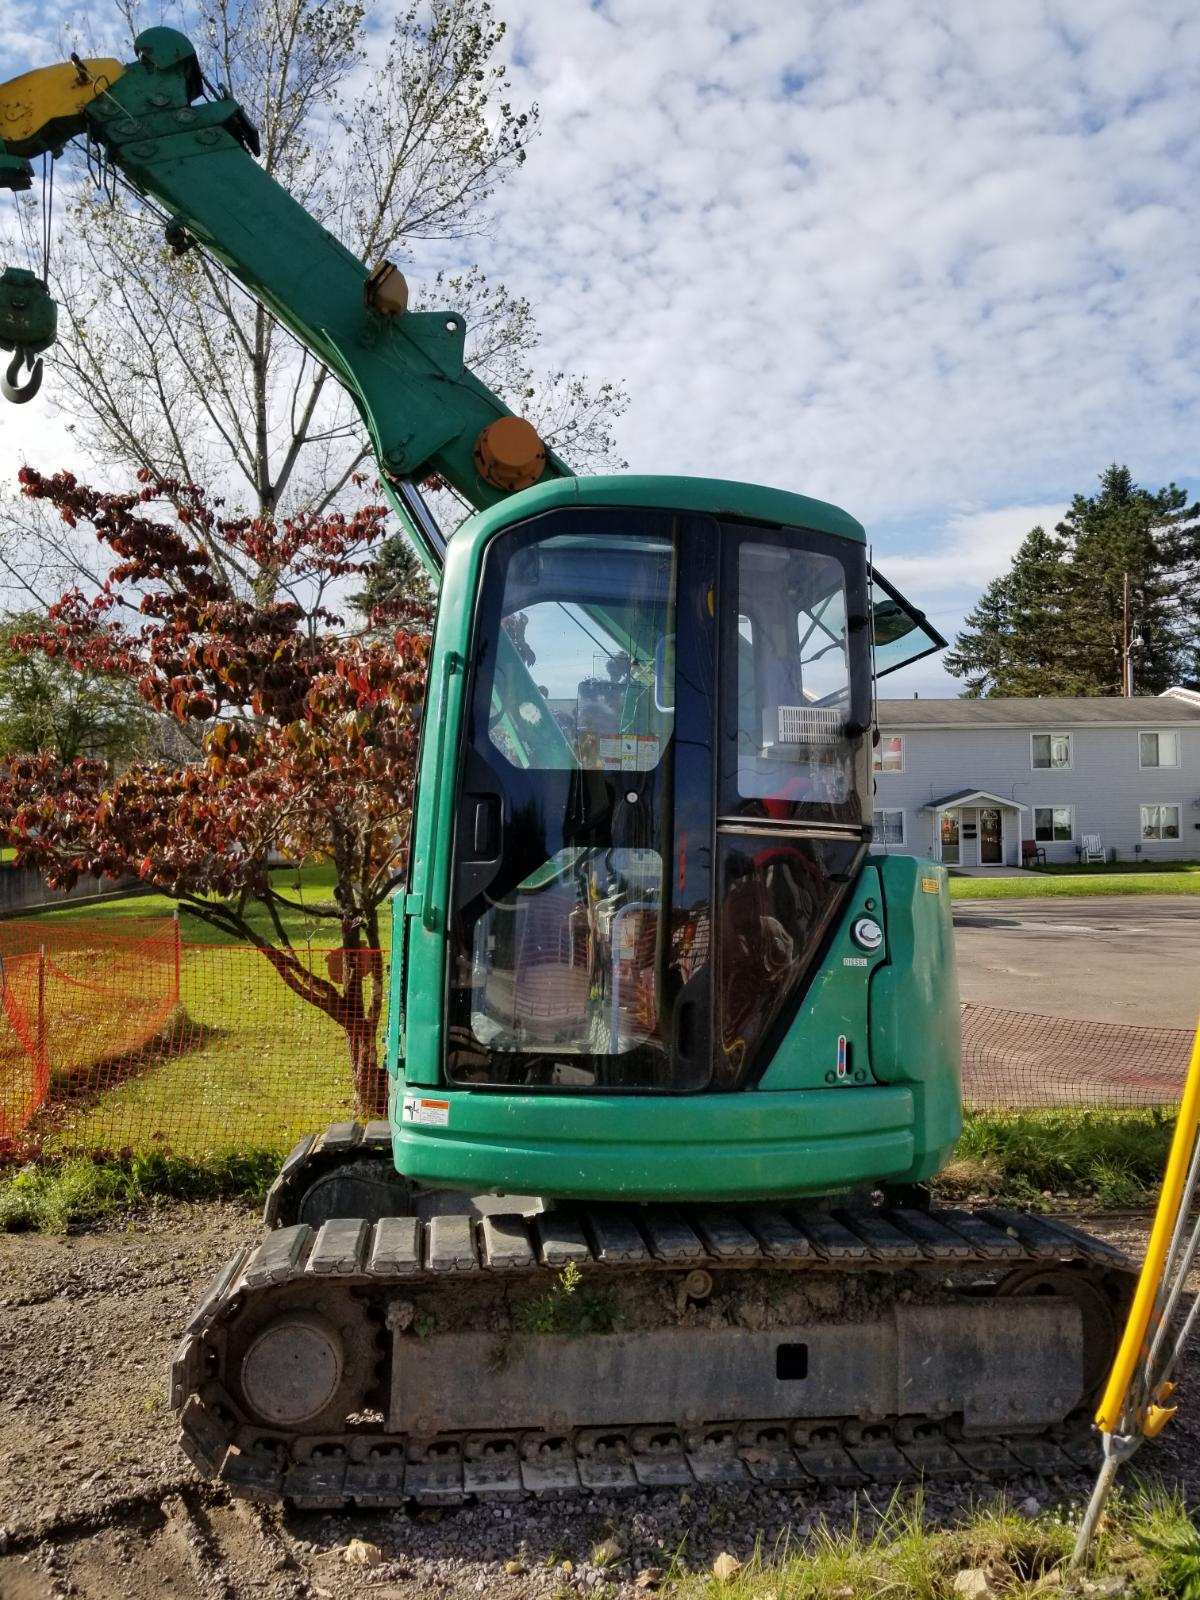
973, 828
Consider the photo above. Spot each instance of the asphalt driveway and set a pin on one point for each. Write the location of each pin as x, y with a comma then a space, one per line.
1131, 959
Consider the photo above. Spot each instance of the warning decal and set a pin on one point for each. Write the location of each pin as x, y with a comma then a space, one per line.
431, 1113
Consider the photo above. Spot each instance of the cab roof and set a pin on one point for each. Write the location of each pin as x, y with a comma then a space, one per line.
718, 496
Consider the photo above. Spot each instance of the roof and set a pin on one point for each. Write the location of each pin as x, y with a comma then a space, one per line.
718, 496
1045, 715
962, 797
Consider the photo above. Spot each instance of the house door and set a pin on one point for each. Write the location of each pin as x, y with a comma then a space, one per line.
950, 838
991, 850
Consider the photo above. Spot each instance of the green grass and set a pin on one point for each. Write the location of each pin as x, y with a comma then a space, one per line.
54, 1196
312, 885
1146, 1550
250, 1065
1074, 880
1109, 1159
247, 1064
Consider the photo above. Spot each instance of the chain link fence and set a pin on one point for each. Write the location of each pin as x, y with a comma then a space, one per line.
137, 1039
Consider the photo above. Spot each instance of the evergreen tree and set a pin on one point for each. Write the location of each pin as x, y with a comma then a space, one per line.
1054, 623
1152, 537
394, 579
1009, 642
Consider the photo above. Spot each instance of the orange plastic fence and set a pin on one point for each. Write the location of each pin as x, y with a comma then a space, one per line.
142, 1039
139, 1039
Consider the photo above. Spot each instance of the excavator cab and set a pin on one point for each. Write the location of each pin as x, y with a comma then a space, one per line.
655, 725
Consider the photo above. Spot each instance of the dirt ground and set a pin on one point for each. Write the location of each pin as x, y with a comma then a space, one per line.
95, 1500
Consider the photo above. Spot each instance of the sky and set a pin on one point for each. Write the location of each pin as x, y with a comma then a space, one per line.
933, 262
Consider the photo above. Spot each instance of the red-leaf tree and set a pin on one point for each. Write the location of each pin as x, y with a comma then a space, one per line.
305, 731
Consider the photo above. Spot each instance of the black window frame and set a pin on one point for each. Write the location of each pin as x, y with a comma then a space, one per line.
859, 716
847, 835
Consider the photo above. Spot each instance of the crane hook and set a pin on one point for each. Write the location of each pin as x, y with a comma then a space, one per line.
10, 385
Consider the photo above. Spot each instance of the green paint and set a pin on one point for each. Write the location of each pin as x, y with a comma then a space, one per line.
717, 496
793, 1135
643, 1147
28, 314
836, 1004
916, 1037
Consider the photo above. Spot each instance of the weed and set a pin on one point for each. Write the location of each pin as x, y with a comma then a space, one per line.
52, 1196
1108, 1158
892, 1553
568, 1308
1172, 1541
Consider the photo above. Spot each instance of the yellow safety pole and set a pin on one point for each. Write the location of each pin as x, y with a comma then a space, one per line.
1121, 1431
1133, 1342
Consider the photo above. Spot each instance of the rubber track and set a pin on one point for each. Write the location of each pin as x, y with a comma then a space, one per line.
317, 1153
376, 1469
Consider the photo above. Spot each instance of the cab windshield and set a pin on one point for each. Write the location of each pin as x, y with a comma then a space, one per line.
644, 684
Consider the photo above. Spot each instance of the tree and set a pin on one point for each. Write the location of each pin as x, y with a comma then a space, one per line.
307, 732
395, 575
1055, 622
394, 136
1150, 537
45, 705
1009, 642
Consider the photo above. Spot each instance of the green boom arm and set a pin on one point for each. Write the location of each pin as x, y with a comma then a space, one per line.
425, 411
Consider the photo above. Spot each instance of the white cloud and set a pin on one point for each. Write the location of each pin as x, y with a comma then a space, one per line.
953, 265
972, 549
906, 256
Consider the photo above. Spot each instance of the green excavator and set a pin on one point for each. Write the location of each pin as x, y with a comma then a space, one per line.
672, 1056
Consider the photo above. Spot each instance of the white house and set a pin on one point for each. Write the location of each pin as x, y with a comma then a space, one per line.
968, 781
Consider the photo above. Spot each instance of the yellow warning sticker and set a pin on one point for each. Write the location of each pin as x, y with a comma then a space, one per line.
931, 885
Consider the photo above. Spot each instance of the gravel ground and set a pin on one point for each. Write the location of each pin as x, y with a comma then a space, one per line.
95, 1500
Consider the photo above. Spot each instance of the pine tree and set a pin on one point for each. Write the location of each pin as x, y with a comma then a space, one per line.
1151, 537
395, 578
1008, 644
1054, 623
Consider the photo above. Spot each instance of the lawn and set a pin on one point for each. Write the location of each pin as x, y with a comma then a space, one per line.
243, 1064
311, 885
1118, 877
1043, 1158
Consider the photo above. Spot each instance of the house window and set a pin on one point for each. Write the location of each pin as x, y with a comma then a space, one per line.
1160, 822
889, 827
1158, 749
1049, 751
1053, 824
889, 753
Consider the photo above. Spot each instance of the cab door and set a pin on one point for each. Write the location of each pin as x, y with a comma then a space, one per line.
582, 892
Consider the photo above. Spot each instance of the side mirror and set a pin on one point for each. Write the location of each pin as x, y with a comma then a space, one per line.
664, 673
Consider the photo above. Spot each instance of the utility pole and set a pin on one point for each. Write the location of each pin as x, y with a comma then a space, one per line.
1126, 644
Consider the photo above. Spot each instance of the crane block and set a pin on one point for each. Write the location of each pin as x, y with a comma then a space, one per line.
42, 109
28, 313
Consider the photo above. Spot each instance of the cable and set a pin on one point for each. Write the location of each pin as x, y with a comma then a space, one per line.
47, 211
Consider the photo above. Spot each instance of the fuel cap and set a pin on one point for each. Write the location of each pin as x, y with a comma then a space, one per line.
867, 934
